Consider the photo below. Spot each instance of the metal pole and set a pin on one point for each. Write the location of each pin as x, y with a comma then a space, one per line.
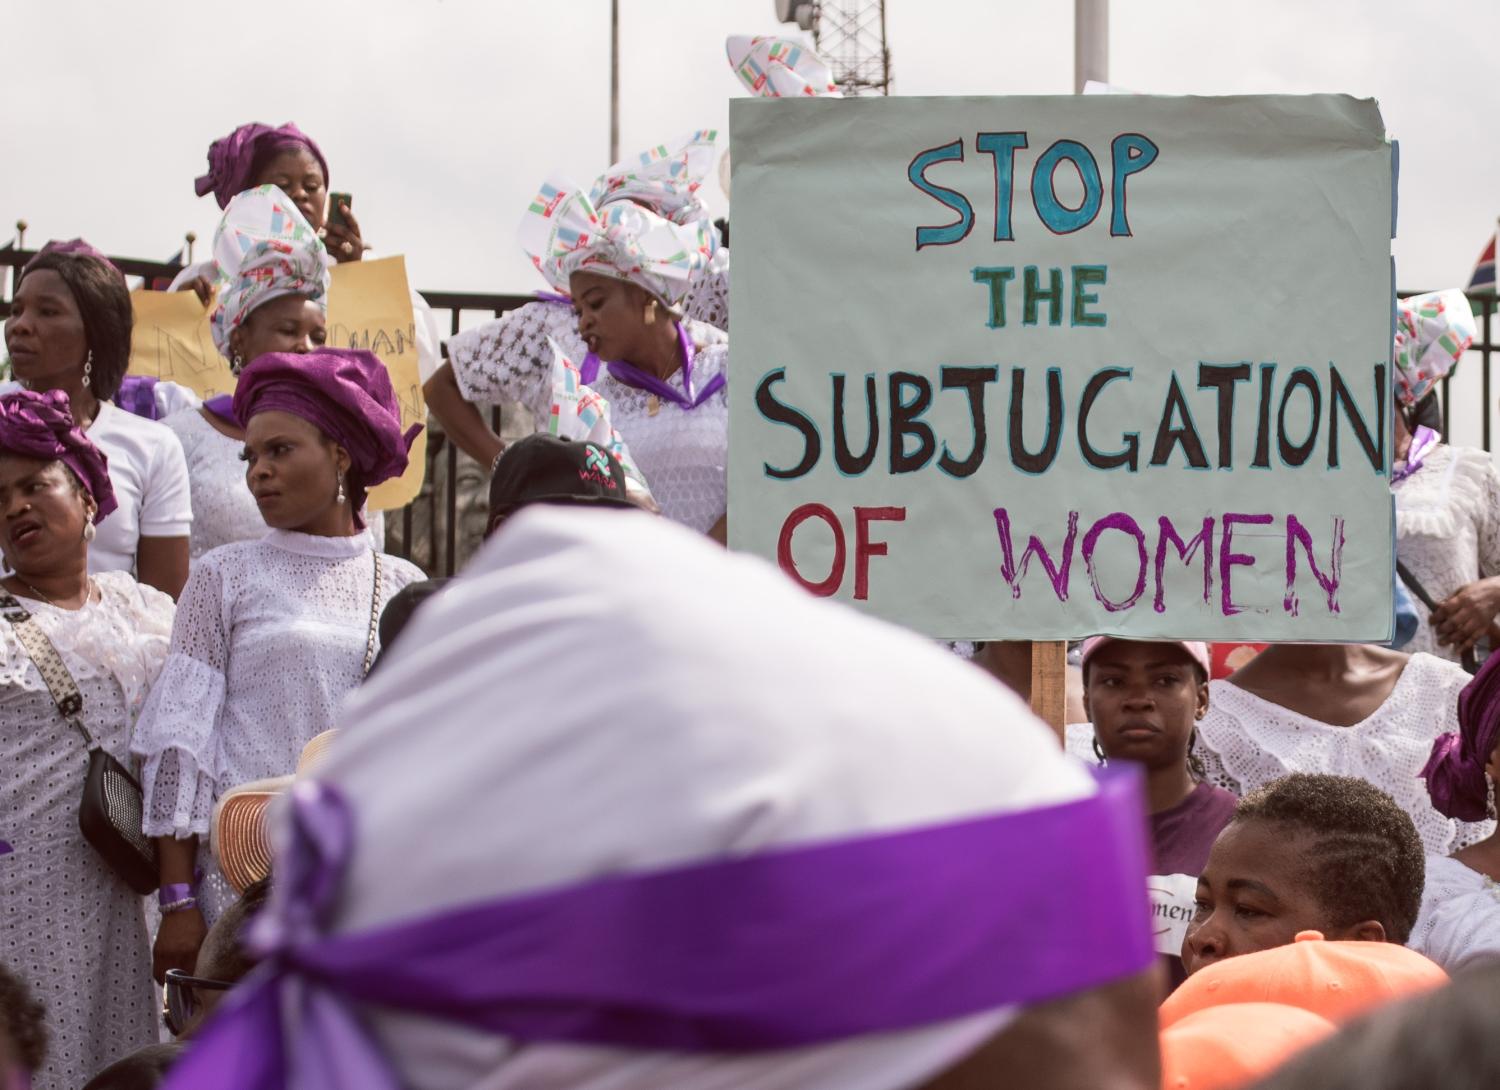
614, 81
1090, 42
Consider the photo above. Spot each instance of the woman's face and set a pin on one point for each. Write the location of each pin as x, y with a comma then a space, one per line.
292, 469
611, 314
292, 323
44, 334
297, 173
1143, 699
1258, 890
43, 512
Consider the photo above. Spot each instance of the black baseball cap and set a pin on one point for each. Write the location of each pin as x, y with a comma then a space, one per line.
546, 468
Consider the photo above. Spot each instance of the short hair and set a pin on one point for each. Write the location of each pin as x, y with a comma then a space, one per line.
1367, 863
23, 1019
1443, 1038
104, 302
229, 959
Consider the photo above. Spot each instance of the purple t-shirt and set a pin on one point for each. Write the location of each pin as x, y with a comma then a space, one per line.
1182, 836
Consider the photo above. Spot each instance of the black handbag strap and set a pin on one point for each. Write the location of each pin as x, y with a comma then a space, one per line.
49, 664
1469, 659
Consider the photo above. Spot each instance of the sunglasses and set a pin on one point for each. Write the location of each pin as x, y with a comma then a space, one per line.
179, 1001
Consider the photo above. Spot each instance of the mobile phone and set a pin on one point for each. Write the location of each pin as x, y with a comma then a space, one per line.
336, 202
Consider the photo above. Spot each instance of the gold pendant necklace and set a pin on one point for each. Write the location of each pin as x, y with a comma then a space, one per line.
653, 405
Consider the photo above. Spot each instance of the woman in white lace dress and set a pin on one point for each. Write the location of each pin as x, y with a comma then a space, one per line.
1342, 709
72, 929
1460, 920
1447, 497
271, 634
271, 296
665, 386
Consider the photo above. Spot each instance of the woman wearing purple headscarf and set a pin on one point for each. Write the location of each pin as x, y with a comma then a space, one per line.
69, 330
271, 634
286, 157
1460, 920
68, 925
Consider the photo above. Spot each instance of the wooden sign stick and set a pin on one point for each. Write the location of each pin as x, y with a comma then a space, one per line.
1049, 683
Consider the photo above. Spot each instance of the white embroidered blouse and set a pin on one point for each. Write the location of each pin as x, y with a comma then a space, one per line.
1448, 529
1459, 923
1246, 742
682, 453
270, 636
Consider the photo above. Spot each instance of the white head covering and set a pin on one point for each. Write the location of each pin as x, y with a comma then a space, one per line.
665, 178
579, 412
263, 249
775, 67
605, 693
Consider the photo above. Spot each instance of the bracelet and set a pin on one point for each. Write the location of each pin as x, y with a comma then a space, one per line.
495, 461
173, 894
184, 905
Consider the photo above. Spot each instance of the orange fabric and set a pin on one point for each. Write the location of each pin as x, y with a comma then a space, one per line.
1337, 980
1230, 1046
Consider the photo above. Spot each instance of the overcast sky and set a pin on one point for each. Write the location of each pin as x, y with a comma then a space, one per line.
442, 116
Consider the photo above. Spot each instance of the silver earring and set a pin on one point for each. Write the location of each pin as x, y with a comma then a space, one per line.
340, 498
1489, 797
236, 364
90, 531
88, 369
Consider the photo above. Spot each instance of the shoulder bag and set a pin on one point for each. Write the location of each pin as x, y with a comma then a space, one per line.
110, 813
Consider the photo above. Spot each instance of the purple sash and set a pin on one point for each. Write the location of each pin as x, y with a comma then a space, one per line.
223, 407
137, 396
788, 948
1422, 442
633, 376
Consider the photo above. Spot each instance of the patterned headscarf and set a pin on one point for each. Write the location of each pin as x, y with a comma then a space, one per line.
1432, 333
40, 425
578, 412
1455, 770
664, 179
563, 233
231, 159
263, 249
775, 67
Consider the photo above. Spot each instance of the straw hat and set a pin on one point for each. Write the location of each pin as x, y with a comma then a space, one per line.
1336, 980
238, 835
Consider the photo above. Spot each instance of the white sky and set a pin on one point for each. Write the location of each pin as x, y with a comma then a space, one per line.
442, 116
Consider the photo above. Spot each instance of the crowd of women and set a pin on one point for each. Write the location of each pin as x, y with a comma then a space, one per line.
192, 590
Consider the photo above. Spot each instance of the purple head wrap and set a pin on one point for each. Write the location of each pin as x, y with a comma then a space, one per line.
1455, 770
231, 159
75, 247
41, 426
347, 394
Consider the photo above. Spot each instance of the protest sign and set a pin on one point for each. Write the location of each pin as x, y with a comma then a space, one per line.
1036, 368
369, 306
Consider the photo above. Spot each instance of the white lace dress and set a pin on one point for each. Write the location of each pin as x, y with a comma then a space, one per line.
1448, 529
224, 511
270, 636
1246, 742
1459, 924
68, 926
683, 454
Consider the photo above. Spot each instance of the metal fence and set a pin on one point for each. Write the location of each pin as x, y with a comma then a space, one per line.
431, 529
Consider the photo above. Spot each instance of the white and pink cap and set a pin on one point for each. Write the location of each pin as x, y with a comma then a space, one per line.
1197, 649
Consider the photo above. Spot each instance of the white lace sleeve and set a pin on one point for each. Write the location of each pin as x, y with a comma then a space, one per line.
708, 299
1489, 521
509, 359
1214, 771
175, 735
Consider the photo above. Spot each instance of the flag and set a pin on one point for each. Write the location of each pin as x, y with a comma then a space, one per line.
1483, 278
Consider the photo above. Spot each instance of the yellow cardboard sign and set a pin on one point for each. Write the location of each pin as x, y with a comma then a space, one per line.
369, 306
